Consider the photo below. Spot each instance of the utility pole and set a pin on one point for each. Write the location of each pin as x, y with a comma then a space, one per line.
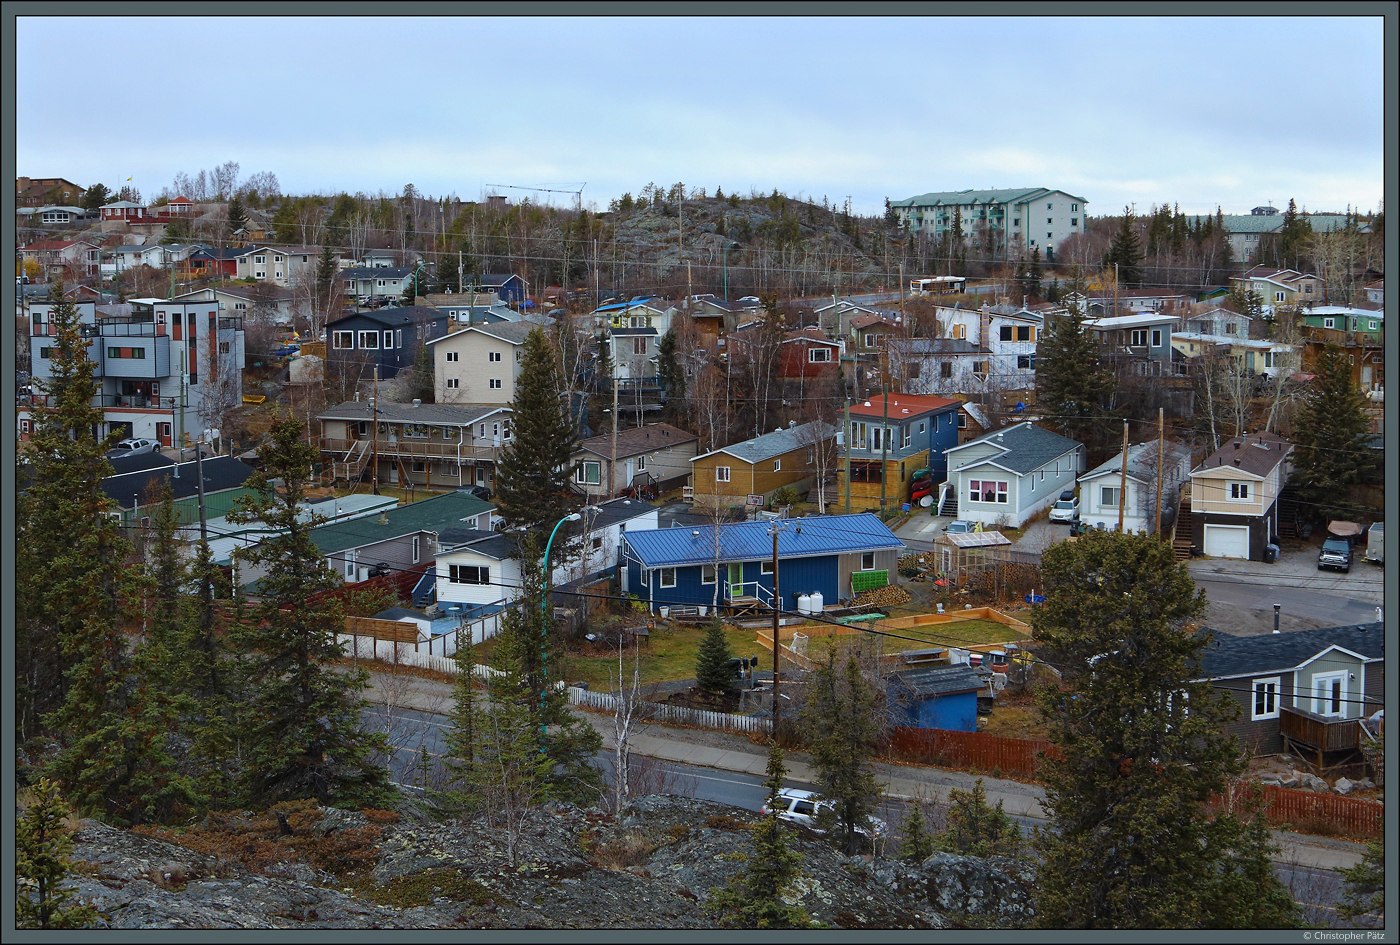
884, 438
612, 463
1123, 477
773, 530
846, 436
374, 434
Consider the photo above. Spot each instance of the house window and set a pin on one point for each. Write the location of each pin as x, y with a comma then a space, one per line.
24, 427
493, 356
1074, 208
1278, 296
417, 547
1108, 496
398, 337
1025, 362
1074, 221
1265, 703
1049, 205
494, 383
388, 339
867, 561
1049, 221
765, 567
707, 574
818, 355
945, 369
958, 331
452, 356
260, 274
596, 544
777, 465
641, 463
1329, 323
369, 340
1373, 326
867, 472
225, 347
350, 566
639, 346
343, 340
589, 474
381, 283
260, 260
418, 466
1239, 492
962, 421
908, 438
987, 490
667, 577
469, 574
721, 474
453, 383
1139, 337
1330, 694
979, 368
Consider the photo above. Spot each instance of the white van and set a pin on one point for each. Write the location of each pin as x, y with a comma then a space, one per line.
1375, 544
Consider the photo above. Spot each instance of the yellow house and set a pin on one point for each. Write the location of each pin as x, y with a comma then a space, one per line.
760, 466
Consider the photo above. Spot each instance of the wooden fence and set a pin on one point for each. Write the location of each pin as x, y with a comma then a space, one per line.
1020, 758
1009, 757
665, 714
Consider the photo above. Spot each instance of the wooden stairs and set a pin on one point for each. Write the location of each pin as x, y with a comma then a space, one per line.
1181, 529
1288, 513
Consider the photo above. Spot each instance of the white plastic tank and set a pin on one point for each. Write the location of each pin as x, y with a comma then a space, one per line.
804, 604
818, 603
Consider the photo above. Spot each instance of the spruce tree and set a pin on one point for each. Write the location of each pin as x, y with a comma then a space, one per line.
775, 772
326, 268
841, 729
301, 713
1125, 252
532, 473
975, 828
1331, 433
1364, 884
43, 843
237, 216
712, 670
461, 739
1140, 747
916, 845
1073, 388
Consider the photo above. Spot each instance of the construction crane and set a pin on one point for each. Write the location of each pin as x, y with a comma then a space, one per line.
578, 194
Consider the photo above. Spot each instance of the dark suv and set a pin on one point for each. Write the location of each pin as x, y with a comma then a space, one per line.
1335, 554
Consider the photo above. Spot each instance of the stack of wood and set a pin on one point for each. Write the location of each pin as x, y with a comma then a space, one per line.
887, 596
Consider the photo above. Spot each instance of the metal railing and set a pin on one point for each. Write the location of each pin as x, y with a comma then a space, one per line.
418, 447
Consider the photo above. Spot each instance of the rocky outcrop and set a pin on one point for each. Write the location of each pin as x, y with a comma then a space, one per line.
655, 866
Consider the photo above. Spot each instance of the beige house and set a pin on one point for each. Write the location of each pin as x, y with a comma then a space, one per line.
650, 458
1234, 497
759, 467
278, 265
409, 445
478, 364
1281, 286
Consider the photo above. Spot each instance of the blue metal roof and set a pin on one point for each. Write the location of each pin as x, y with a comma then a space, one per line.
813, 536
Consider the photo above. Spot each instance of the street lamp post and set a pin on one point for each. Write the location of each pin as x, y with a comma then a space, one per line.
544, 617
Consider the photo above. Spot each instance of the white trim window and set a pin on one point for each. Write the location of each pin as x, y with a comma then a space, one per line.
721, 474
1108, 497
343, 340
417, 547
454, 383
707, 574
493, 356
819, 354
988, 490
666, 577
468, 574
1239, 491
369, 341
453, 356
641, 463
777, 465
1264, 698
494, 383
867, 561
589, 473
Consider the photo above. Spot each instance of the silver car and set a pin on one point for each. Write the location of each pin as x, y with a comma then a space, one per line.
800, 807
131, 447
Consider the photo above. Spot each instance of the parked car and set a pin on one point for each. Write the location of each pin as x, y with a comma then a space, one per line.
749, 300
800, 807
1335, 554
1066, 508
959, 527
132, 447
481, 492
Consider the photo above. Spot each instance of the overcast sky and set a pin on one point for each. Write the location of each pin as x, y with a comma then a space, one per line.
1195, 111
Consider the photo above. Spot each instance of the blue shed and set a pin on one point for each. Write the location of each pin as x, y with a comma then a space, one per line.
817, 554
937, 697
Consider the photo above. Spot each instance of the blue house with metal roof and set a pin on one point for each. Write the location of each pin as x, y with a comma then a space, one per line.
731, 565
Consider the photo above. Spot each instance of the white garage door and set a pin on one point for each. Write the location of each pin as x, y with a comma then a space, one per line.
1227, 541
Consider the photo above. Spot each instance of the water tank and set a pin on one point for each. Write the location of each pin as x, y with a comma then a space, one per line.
817, 602
804, 604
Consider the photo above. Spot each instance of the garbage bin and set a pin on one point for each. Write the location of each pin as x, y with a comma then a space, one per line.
1270, 554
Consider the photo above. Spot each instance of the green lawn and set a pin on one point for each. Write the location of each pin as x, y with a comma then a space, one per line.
668, 655
954, 633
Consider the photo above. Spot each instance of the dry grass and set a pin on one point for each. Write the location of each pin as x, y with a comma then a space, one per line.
625, 850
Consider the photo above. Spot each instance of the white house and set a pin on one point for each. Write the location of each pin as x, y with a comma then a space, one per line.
1005, 477
1101, 488
1028, 217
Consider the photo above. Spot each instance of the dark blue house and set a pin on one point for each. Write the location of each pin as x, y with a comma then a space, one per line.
386, 337
510, 289
889, 439
936, 697
732, 564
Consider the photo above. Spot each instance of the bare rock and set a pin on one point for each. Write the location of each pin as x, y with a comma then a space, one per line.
996, 890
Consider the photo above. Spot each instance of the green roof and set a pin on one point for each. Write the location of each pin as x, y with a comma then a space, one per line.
430, 515
964, 197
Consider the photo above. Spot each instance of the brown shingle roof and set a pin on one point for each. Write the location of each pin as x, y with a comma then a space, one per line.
638, 440
1256, 454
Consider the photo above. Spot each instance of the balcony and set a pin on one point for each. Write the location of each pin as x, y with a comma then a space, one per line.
1319, 732
418, 448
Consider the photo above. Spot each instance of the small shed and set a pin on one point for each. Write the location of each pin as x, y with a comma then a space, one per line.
937, 697
960, 556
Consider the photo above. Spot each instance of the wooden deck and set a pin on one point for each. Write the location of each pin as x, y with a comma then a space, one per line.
1326, 743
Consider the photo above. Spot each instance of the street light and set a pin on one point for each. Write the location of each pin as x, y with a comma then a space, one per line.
544, 617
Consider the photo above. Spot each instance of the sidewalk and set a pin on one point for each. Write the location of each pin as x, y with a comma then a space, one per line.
903, 782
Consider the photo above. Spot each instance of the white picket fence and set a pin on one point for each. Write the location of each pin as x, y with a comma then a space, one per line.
664, 714
435, 653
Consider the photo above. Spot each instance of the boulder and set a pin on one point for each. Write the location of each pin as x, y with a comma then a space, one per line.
996, 889
1344, 786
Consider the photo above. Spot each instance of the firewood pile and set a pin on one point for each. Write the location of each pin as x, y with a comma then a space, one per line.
887, 596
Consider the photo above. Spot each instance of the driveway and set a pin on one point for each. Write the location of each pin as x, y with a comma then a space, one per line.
1240, 594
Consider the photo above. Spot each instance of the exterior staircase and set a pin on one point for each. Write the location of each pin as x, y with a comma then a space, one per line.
1288, 513
948, 502
353, 465
1181, 530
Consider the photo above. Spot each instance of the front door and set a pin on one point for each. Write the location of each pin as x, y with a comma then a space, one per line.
736, 581
1330, 694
